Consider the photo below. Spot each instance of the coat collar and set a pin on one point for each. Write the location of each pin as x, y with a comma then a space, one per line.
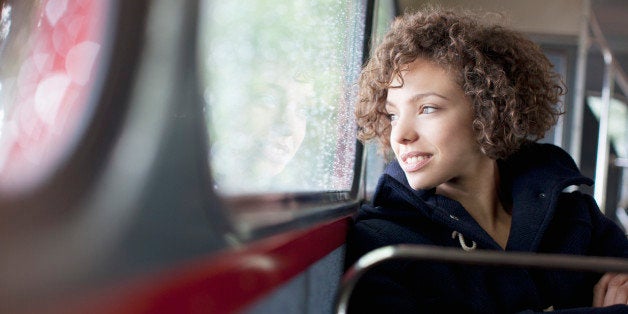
535, 176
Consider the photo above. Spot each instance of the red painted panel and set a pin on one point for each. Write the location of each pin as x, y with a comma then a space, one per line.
225, 282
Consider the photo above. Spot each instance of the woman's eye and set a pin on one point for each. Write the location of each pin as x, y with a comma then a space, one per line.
427, 109
392, 117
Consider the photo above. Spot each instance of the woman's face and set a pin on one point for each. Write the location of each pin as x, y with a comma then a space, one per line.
432, 134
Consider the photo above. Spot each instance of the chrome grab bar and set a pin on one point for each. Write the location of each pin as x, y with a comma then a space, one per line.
478, 257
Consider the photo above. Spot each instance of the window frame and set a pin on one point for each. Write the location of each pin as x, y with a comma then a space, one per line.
255, 216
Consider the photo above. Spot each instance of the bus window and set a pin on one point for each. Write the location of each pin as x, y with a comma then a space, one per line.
384, 13
48, 51
618, 123
280, 86
376, 160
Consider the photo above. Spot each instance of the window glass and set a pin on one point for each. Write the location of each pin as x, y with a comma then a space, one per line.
556, 134
375, 160
48, 51
383, 17
280, 84
617, 124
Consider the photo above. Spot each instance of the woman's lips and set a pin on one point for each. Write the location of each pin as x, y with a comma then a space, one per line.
414, 161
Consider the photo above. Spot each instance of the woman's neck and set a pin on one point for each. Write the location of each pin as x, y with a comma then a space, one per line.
479, 194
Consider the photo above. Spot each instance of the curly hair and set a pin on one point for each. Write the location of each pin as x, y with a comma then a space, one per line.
511, 84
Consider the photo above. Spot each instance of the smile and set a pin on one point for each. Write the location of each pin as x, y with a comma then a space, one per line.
414, 161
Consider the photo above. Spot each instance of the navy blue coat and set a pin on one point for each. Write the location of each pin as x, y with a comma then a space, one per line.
544, 219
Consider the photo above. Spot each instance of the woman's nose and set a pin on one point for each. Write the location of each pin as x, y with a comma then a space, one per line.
405, 130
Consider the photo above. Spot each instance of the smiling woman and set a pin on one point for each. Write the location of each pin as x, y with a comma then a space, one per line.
461, 101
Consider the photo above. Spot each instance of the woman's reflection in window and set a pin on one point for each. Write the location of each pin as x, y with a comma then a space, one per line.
273, 125
281, 125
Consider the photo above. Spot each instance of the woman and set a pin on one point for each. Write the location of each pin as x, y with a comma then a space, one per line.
461, 103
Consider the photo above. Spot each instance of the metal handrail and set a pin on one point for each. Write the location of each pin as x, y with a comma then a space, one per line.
591, 33
478, 257
613, 74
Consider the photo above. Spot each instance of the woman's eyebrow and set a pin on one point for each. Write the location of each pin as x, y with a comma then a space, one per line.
419, 96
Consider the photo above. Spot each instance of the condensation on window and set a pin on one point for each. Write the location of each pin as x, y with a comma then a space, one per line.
280, 86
